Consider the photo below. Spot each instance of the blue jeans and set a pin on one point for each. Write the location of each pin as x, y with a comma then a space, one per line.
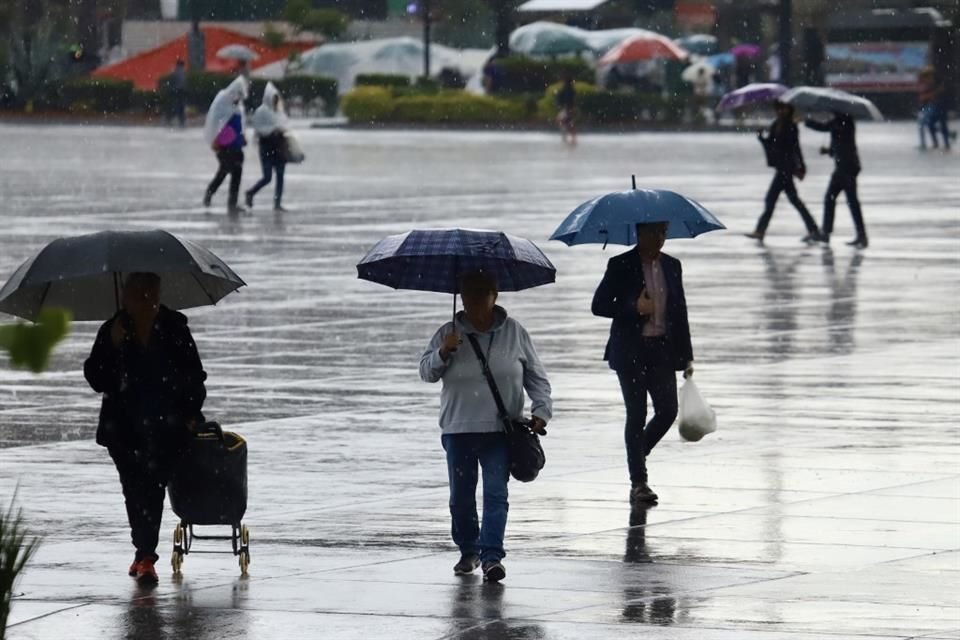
464, 451
270, 164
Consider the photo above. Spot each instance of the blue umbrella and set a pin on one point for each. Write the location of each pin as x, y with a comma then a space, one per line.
436, 259
613, 217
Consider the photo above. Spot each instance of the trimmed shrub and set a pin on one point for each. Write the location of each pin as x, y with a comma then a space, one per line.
203, 86
368, 104
103, 95
381, 80
456, 108
520, 74
547, 105
149, 103
308, 89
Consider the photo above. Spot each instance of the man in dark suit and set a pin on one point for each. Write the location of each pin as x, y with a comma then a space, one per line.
642, 291
843, 150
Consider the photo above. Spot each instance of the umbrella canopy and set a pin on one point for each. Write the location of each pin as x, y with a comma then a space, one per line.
751, 94
701, 43
436, 259
548, 39
612, 218
638, 48
831, 100
84, 274
237, 52
746, 50
603, 40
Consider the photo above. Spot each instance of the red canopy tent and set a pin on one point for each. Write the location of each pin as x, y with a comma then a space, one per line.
145, 69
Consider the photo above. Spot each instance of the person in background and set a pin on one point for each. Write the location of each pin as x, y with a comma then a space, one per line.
566, 100
642, 292
782, 148
843, 150
179, 92
223, 131
471, 425
145, 363
270, 124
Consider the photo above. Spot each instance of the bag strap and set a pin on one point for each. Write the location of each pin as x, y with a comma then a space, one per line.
501, 408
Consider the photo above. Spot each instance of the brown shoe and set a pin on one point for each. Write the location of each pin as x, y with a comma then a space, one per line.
641, 493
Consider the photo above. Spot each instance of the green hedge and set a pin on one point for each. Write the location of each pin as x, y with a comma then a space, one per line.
365, 105
520, 74
91, 95
310, 88
381, 80
610, 107
368, 105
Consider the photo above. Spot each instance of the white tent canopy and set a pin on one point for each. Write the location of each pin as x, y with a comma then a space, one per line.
401, 56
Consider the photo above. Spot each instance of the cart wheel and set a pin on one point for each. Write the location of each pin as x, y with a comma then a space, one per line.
177, 536
177, 561
244, 562
244, 536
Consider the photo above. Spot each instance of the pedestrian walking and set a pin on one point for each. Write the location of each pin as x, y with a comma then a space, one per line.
270, 125
642, 291
782, 148
178, 86
843, 150
472, 429
145, 363
933, 117
223, 131
566, 100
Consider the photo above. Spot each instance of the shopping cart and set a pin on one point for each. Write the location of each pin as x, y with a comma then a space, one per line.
209, 488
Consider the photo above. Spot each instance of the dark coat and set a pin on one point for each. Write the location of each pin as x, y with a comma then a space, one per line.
171, 373
782, 145
843, 142
616, 298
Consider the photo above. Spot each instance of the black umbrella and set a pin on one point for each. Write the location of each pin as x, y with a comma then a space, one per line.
84, 274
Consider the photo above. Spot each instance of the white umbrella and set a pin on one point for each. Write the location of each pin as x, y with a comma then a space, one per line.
831, 100
237, 52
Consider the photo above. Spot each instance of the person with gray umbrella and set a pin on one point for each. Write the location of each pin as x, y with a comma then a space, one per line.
843, 150
145, 363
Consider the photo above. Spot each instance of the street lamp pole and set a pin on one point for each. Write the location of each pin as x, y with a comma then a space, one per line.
786, 40
426, 38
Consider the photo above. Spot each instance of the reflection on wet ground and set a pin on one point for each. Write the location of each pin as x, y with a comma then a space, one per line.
827, 504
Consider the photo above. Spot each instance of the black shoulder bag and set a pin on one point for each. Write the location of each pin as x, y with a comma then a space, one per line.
526, 454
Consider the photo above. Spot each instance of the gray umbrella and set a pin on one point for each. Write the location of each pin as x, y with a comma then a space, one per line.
831, 100
85, 274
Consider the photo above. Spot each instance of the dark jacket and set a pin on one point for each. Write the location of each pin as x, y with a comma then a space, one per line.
273, 146
138, 383
616, 298
782, 145
843, 142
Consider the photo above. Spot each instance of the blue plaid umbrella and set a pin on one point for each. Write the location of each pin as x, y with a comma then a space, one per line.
435, 259
615, 216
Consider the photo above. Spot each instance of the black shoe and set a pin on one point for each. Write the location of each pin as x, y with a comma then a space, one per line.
493, 571
468, 564
207, 197
825, 238
754, 235
279, 208
641, 493
236, 210
812, 237
248, 198
859, 243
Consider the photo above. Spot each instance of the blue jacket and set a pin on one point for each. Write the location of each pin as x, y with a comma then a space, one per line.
616, 298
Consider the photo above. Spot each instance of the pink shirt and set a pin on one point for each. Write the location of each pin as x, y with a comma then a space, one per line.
656, 284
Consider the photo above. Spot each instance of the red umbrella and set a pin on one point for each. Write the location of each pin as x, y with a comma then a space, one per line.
644, 47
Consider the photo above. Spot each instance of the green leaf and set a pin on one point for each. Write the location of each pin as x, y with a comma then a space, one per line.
29, 345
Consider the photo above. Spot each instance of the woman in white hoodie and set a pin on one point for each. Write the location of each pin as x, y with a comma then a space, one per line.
270, 123
223, 131
472, 429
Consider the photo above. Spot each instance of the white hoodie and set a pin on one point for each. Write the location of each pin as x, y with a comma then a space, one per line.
227, 102
266, 120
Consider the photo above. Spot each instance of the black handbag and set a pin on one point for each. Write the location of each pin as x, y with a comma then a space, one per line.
526, 454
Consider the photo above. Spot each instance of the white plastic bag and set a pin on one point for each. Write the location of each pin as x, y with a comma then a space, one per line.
293, 152
696, 417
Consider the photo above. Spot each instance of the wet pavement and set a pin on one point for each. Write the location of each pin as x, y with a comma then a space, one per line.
827, 505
